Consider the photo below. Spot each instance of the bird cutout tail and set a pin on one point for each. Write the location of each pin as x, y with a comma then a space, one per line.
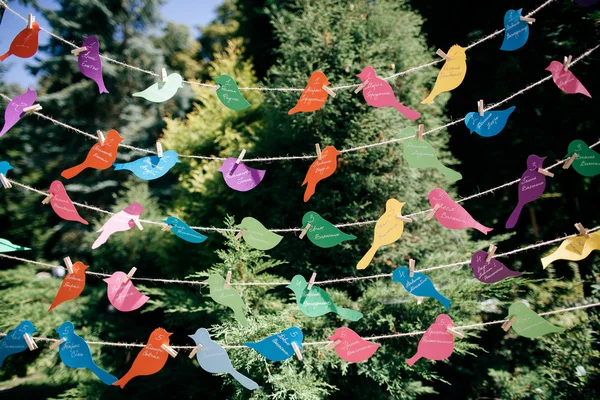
243, 380
104, 376
124, 380
118, 166
429, 99
54, 304
293, 110
514, 217
556, 329
449, 173
346, 313
4, 56
445, 302
366, 260
407, 112
240, 317
411, 361
74, 171
482, 228
310, 190
101, 87
345, 236
548, 260
101, 240
83, 221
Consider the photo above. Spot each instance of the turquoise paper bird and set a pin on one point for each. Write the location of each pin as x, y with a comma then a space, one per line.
587, 162
151, 167
14, 342
5, 167
6, 246
419, 285
278, 347
183, 231
229, 94
162, 91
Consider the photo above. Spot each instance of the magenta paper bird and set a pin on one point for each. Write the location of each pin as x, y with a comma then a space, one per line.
122, 294
565, 80
351, 346
90, 63
240, 177
451, 215
120, 222
436, 343
62, 204
531, 187
14, 109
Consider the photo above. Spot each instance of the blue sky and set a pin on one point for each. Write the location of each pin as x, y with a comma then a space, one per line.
174, 10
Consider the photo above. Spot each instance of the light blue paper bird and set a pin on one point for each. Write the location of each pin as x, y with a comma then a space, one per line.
419, 285
151, 167
162, 91
490, 124
14, 342
278, 347
183, 231
6, 246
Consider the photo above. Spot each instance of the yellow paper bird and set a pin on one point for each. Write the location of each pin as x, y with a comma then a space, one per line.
388, 229
574, 249
451, 75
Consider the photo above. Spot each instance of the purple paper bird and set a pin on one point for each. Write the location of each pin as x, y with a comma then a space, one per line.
531, 186
90, 63
120, 222
240, 177
489, 272
14, 109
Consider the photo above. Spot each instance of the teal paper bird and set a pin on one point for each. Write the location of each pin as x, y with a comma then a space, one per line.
162, 91
14, 342
322, 232
6, 246
5, 167
229, 94
419, 285
279, 347
182, 230
587, 162
316, 302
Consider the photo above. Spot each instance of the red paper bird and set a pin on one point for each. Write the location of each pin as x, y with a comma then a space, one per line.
71, 286
25, 44
100, 156
314, 96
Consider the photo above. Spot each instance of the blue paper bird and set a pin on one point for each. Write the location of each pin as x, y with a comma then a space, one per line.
151, 167
490, 124
419, 285
5, 167
14, 342
516, 32
182, 230
214, 359
75, 353
278, 347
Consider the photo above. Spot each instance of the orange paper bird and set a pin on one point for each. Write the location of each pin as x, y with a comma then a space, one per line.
319, 170
99, 157
314, 96
25, 44
71, 286
150, 360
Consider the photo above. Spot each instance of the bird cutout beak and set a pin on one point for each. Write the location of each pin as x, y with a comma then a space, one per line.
169, 334
107, 280
219, 169
191, 336
178, 161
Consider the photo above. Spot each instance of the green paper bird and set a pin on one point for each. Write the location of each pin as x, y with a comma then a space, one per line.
257, 235
528, 324
322, 232
229, 94
316, 302
587, 162
7, 247
228, 297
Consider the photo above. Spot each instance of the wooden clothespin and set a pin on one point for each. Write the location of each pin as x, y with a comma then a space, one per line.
130, 274
165, 227
159, 150
455, 333
5, 182
569, 161
331, 345
441, 53
318, 150
420, 300
47, 198
480, 107
30, 21
546, 173
403, 218
420, 132
138, 224
432, 212
527, 19
68, 264
32, 109
490, 253
195, 350
169, 350
30, 343
100, 137
163, 75
411, 267
78, 50
228, 278
582, 230
240, 234
311, 282
297, 351
506, 326
328, 90
241, 156
213, 90
361, 86
304, 231
57, 343
567, 62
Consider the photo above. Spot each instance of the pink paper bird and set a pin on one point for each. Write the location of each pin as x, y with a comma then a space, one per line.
436, 343
124, 296
451, 215
565, 80
120, 222
62, 204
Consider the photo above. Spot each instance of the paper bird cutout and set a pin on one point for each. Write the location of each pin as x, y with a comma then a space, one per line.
71, 286
319, 170
316, 302
228, 297
388, 229
313, 96
322, 232
574, 249
587, 162
531, 187
25, 44
4, 165
229, 94
490, 124
14, 109
150, 167
100, 156
378, 93
150, 360
214, 359
421, 154
436, 343
122, 294
183, 231
528, 324
14, 342
278, 347
7, 247
419, 285
451, 75
162, 91
516, 32
451, 215
75, 353
90, 63
257, 236
489, 272
566, 80
122, 221
352, 347
62, 204
240, 177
